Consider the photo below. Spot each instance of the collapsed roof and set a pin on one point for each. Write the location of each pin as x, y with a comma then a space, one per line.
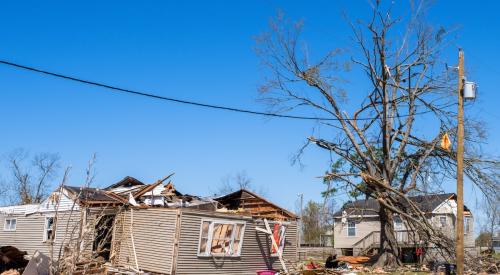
246, 202
93, 196
132, 192
126, 182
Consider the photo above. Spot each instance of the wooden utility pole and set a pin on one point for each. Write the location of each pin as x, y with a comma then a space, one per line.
460, 167
301, 231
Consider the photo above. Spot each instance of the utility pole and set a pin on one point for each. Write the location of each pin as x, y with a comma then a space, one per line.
301, 202
460, 166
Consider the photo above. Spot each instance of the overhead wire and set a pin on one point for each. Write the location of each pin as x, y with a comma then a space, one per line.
182, 101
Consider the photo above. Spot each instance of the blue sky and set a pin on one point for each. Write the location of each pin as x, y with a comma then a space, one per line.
195, 50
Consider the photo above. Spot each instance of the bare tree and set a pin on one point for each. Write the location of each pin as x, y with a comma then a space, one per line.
384, 142
31, 177
491, 223
232, 183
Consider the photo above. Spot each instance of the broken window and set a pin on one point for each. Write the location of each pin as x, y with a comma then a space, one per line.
279, 231
351, 228
48, 234
221, 238
442, 221
10, 224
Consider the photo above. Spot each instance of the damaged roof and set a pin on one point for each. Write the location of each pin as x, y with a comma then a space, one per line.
426, 203
125, 182
87, 195
255, 205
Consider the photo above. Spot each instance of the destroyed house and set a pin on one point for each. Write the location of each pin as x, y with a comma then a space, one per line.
357, 226
155, 228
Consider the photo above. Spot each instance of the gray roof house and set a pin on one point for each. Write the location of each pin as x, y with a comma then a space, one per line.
155, 228
357, 225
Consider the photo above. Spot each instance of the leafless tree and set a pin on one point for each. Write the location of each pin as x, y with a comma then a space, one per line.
491, 222
31, 177
232, 183
383, 139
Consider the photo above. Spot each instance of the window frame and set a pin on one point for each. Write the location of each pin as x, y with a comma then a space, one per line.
399, 223
209, 238
467, 225
353, 227
445, 221
10, 224
45, 229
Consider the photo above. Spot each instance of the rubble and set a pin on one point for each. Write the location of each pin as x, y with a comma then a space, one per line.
12, 258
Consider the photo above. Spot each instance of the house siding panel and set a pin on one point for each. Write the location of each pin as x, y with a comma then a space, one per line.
153, 237
364, 226
254, 254
29, 232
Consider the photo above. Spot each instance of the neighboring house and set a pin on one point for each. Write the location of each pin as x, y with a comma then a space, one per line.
357, 226
495, 243
155, 228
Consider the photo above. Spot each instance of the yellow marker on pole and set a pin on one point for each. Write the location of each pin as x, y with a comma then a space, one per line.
445, 142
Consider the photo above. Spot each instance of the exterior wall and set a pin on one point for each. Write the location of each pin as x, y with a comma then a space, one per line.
150, 233
29, 232
364, 226
254, 252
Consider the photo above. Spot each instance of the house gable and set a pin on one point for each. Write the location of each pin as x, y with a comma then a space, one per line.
255, 205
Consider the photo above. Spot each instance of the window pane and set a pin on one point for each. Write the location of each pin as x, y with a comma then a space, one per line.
220, 244
204, 229
13, 224
351, 231
442, 221
238, 232
203, 246
398, 223
236, 247
50, 222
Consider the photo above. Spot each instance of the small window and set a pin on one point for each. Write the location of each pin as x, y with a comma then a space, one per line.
221, 238
466, 225
49, 234
279, 231
398, 223
442, 221
351, 228
10, 224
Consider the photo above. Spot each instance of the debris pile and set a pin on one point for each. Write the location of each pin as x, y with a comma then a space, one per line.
489, 264
12, 258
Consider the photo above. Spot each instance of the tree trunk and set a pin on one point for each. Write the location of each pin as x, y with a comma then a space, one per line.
389, 252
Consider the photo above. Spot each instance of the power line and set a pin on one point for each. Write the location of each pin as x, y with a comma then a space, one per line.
181, 101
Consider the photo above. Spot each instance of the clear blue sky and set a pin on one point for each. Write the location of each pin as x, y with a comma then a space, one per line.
201, 51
